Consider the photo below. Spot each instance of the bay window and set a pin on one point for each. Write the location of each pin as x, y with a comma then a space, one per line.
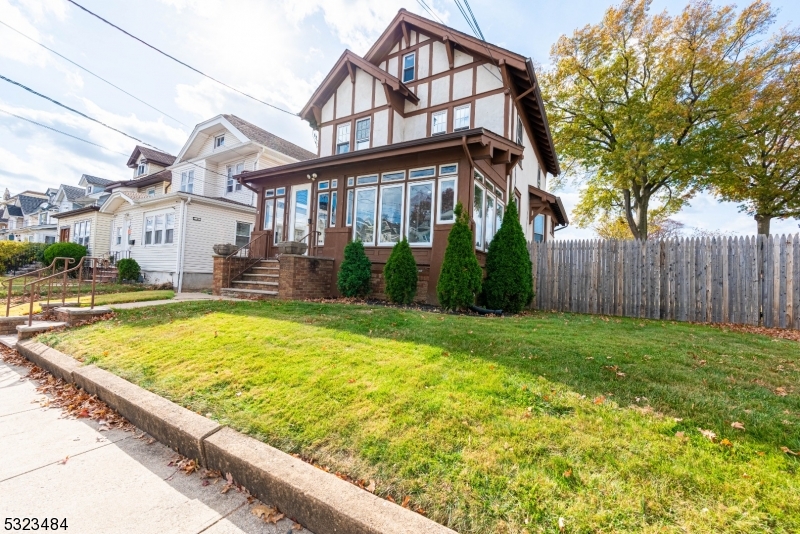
365, 204
391, 214
420, 213
445, 211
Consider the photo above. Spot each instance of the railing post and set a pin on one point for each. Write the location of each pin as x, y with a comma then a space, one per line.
8, 298
64, 285
94, 278
30, 308
80, 277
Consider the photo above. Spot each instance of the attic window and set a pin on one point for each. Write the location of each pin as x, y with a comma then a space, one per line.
409, 61
219, 141
140, 169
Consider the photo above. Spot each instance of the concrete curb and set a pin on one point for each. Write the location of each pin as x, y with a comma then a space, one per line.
320, 501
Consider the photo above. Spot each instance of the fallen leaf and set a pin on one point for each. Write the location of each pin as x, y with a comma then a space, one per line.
710, 434
297, 526
781, 392
787, 450
405, 502
726, 443
263, 511
737, 425
371, 486
568, 473
562, 524
599, 400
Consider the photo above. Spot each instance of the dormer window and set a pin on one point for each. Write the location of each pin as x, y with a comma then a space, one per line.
140, 169
409, 62
88, 189
219, 141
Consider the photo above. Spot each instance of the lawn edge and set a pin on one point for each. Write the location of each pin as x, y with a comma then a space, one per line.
318, 500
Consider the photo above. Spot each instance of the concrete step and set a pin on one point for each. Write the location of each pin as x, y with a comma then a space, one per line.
265, 269
249, 284
260, 276
258, 294
267, 263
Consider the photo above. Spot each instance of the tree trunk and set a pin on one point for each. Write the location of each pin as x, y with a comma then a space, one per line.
763, 221
639, 226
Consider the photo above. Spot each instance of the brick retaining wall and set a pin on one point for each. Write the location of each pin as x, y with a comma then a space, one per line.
305, 277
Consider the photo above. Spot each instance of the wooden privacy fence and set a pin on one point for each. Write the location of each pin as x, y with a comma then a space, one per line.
746, 280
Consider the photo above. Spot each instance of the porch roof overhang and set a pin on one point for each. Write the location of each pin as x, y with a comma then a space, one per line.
544, 203
481, 144
79, 211
396, 91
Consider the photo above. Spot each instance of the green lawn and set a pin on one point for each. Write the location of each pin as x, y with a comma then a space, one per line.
102, 299
499, 425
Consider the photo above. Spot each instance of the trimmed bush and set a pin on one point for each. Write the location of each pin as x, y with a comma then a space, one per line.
64, 250
509, 282
400, 274
36, 251
128, 269
355, 271
460, 279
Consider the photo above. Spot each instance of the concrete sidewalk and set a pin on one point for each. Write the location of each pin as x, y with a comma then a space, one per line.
111, 482
179, 297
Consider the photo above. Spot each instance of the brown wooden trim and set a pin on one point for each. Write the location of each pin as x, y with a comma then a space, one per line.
390, 133
506, 111
404, 27
526, 93
352, 72
455, 104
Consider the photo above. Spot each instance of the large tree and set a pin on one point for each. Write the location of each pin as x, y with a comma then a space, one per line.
764, 169
639, 103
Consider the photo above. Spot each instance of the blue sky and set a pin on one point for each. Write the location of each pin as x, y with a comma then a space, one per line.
277, 50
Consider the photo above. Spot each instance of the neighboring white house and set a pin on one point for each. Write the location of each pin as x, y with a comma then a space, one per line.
168, 220
78, 219
28, 217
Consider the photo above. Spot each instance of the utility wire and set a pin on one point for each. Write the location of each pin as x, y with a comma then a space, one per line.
59, 131
466, 17
90, 72
466, 3
173, 58
56, 102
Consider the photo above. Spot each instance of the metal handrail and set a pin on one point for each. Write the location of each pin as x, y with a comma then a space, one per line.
10, 281
63, 274
315, 245
253, 259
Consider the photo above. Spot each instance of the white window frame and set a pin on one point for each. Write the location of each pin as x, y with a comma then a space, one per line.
169, 225
151, 191
140, 170
434, 116
187, 181
366, 142
374, 214
468, 107
232, 186
349, 207
158, 239
339, 143
118, 236
219, 141
390, 174
482, 244
411, 185
149, 221
236, 233
403, 68
449, 177
428, 177
376, 176
381, 242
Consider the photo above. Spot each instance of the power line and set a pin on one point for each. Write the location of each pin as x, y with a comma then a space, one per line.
59, 131
466, 3
90, 72
173, 58
56, 102
464, 14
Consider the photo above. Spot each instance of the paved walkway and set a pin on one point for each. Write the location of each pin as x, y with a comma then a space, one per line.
179, 297
111, 482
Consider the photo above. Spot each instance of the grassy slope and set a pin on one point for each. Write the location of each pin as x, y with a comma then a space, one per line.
491, 425
103, 299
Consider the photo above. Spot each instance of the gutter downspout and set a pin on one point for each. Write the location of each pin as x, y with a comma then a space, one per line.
182, 243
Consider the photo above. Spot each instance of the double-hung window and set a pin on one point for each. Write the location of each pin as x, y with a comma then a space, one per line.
461, 117
118, 238
409, 61
362, 133
158, 236
233, 185
439, 122
148, 230
187, 181
343, 138
219, 141
140, 170
169, 228
242, 233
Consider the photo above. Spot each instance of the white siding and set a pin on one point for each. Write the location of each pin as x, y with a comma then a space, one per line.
216, 225
344, 99
364, 84
100, 238
488, 78
325, 141
207, 146
380, 128
440, 91
489, 113
462, 84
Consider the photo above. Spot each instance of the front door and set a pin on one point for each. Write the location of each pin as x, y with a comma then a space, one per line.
64, 236
300, 214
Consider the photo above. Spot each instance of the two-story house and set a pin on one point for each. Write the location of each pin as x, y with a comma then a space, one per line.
427, 118
77, 217
168, 216
28, 217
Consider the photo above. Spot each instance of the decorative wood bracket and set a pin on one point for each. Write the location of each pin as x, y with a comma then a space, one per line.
352, 72
405, 33
448, 45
